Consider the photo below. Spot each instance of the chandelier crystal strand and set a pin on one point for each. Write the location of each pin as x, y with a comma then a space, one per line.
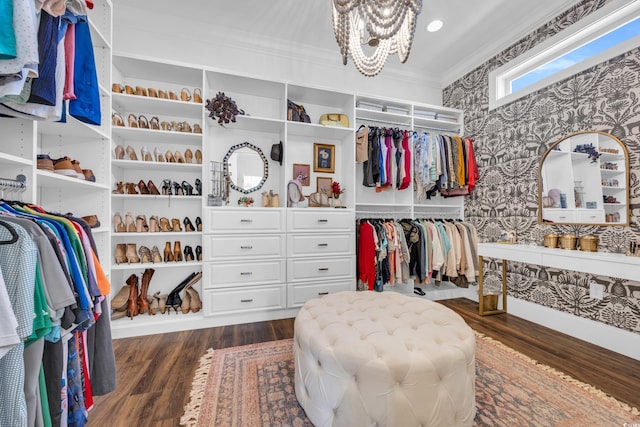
387, 25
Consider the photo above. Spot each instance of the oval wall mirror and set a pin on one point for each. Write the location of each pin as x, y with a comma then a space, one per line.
584, 179
247, 167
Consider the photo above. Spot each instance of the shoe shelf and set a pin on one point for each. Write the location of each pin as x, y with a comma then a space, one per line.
164, 166
152, 136
50, 179
156, 106
252, 124
144, 324
158, 234
318, 131
155, 197
10, 159
172, 264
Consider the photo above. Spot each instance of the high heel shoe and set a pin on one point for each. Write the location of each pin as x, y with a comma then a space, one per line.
188, 254
198, 155
119, 255
177, 251
188, 225
152, 188
154, 303
191, 299
185, 127
185, 304
128, 223
166, 126
177, 189
199, 253
173, 299
178, 157
188, 156
164, 225
198, 224
153, 224
187, 189
197, 128
129, 90
162, 303
146, 154
143, 303
130, 188
141, 224
154, 123
132, 254
118, 225
143, 187
119, 188
195, 303
172, 95
131, 153
166, 187
132, 120
158, 154
132, 303
116, 120
198, 186
162, 94
185, 95
175, 222
152, 93
119, 302
168, 253
169, 156
197, 95
145, 254
117, 88
140, 91
155, 255
119, 151
143, 123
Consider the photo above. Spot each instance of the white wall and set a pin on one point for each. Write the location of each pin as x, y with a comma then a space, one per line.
158, 34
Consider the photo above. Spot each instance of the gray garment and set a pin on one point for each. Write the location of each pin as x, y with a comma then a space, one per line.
32, 363
53, 364
102, 361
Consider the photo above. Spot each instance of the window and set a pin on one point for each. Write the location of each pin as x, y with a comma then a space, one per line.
610, 31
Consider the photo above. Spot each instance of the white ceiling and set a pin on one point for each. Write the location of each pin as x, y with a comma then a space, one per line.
474, 30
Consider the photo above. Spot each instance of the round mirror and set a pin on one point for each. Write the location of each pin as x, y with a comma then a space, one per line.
584, 179
246, 167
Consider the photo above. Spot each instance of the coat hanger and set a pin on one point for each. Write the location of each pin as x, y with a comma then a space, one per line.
12, 231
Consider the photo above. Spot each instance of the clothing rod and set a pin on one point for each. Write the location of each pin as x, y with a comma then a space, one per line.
20, 183
386, 122
455, 131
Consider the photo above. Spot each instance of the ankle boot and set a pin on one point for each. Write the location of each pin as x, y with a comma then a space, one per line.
177, 251
132, 306
120, 253
132, 254
143, 304
168, 254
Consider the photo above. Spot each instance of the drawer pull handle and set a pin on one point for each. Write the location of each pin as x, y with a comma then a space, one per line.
323, 269
246, 273
323, 293
323, 220
323, 245
246, 300
246, 247
246, 220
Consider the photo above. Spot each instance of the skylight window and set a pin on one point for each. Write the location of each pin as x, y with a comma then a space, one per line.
604, 34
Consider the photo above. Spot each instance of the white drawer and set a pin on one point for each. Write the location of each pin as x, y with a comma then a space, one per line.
247, 220
305, 269
254, 298
300, 293
320, 244
590, 216
559, 215
243, 246
243, 273
318, 220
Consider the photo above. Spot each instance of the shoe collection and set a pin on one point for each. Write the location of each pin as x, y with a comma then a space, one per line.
611, 182
609, 166
185, 94
169, 188
65, 166
609, 199
131, 301
612, 217
130, 154
141, 122
155, 224
128, 253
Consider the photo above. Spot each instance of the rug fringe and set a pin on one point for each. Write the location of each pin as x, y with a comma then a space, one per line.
588, 387
198, 387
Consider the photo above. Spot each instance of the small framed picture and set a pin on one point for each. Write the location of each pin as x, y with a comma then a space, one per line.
323, 185
302, 173
324, 158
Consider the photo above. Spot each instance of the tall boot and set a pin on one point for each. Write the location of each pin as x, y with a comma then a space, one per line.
173, 299
132, 305
143, 302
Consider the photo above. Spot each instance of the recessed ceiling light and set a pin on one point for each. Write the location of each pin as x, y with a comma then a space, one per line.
434, 25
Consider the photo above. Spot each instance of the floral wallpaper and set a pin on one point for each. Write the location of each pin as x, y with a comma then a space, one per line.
509, 142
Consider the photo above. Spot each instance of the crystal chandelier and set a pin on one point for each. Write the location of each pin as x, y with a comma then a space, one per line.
385, 25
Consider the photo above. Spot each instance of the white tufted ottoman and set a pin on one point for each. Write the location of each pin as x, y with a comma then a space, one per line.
383, 359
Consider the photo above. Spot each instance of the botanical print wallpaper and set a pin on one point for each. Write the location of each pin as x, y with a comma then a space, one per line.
509, 142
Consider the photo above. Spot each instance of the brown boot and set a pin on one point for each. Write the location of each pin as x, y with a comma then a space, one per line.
168, 254
177, 251
132, 305
143, 302
120, 253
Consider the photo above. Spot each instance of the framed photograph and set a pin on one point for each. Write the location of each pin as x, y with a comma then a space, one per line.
304, 172
323, 185
324, 158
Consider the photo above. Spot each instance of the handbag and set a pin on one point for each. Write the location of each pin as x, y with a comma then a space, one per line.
319, 200
297, 113
335, 119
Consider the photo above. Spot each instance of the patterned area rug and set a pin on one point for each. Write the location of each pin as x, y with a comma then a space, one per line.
253, 385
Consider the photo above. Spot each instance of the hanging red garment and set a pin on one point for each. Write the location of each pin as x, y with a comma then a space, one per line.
366, 255
472, 166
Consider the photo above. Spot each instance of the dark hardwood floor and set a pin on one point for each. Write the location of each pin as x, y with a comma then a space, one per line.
154, 373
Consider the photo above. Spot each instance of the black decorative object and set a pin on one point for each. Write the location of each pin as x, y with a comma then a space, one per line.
223, 108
